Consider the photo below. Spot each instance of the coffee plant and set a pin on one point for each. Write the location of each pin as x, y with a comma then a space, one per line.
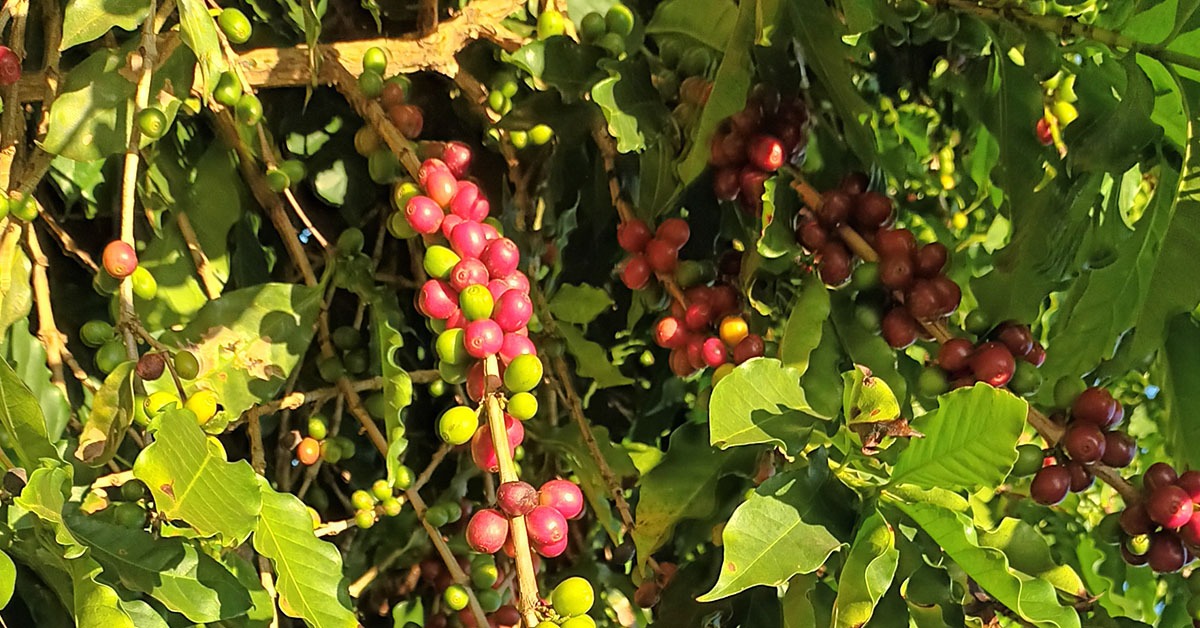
578, 313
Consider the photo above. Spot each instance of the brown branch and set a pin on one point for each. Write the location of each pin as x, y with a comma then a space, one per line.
369, 109
211, 287
427, 16
52, 339
66, 242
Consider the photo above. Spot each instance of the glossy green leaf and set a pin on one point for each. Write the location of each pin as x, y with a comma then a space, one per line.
1179, 365
561, 63
16, 295
172, 571
729, 89
781, 530
1032, 599
191, 479
1028, 552
683, 486
248, 341
657, 182
761, 402
86, 20
579, 304
591, 360
97, 605
1115, 140
199, 32
45, 497
111, 415
23, 422
805, 324
631, 105
709, 22
8, 579
867, 573
27, 356
867, 347
970, 440
284, 534
386, 322
866, 398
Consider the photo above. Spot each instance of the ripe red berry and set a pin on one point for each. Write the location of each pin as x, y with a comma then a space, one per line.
753, 186
467, 240
1042, 129
855, 183
766, 153
895, 243
923, 301
1096, 406
483, 338
547, 525
1189, 481
899, 328
457, 157
633, 235
1050, 485
748, 348
1135, 521
550, 550
680, 365
428, 167
872, 211
483, 452
119, 259
408, 119
727, 183
500, 257
486, 531
563, 496
1166, 553
724, 300
673, 231
437, 299
1159, 474
662, 256
896, 270
1119, 449
1015, 336
954, 355
835, 208
669, 332
469, 202
468, 272
150, 366
747, 121
714, 352
695, 351
513, 311
1084, 443
423, 214
949, 294
1169, 506
931, 259
441, 186
10, 66
697, 316
1036, 355
993, 364
836, 263
635, 274
1190, 532
517, 498
811, 234
515, 345
1081, 478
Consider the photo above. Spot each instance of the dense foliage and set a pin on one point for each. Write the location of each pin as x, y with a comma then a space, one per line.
764, 313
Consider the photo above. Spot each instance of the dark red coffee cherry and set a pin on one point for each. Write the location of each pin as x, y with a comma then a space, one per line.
811, 235
872, 211
931, 259
727, 183
1119, 449
835, 208
1043, 132
895, 243
954, 355
1166, 553
949, 294
1015, 336
1095, 406
1189, 481
1084, 443
899, 328
1159, 474
1136, 521
1050, 485
633, 235
923, 301
993, 364
895, 271
1169, 506
836, 263
1081, 478
766, 153
855, 183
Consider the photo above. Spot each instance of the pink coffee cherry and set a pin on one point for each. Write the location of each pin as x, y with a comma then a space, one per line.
428, 167
483, 338
714, 352
489, 232
518, 282
468, 272
497, 287
441, 186
423, 214
469, 203
467, 239
483, 452
457, 157
456, 320
517, 498
449, 222
563, 496
547, 525
487, 531
437, 299
550, 550
513, 310
515, 345
476, 382
501, 257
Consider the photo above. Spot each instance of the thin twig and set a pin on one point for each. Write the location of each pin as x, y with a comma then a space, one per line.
211, 288
52, 339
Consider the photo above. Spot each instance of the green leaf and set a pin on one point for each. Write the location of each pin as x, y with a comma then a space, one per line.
170, 570
190, 479
867, 347
199, 32
24, 425
822, 380
631, 104
709, 22
8, 579
683, 486
387, 321
761, 402
579, 304
1028, 552
561, 63
16, 295
111, 415
1179, 365
308, 570
88, 120
45, 496
728, 96
591, 360
780, 531
248, 341
1114, 140
657, 183
776, 238
1032, 599
96, 605
867, 573
27, 356
867, 399
86, 20
970, 440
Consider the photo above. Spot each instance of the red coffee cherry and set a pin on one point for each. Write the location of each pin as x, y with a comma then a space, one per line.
931, 259
766, 153
469, 203
633, 235
467, 239
949, 294
674, 231
487, 531
1036, 355
547, 526
748, 348
501, 257
483, 338
1119, 450
119, 259
899, 328
1095, 406
836, 263
515, 345
1166, 553
1084, 443
680, 365
993, 364
895, 243
753, 186
456, 155
714, 352
1081, 478
1043, 132
1159, 474
872, 211
662, 256
636, 272
1015, 336
437, 299
1050, 485
468, 272
563, 496
923, 301
1135, 521
727, 183
1169, 506
516, 499
835, 208
1189, 481
441, 186
954, 355
1190, 532
896, 271
855, 183
811, 234
697, 316
10, 66
423, 214
670, 333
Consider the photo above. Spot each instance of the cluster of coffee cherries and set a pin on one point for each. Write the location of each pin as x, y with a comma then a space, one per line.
1091, 437
546, 511
1163, 529
487, 581
752, 144
381, 500
852, 205
1008, 355
708, 331
650, 252
318, 445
